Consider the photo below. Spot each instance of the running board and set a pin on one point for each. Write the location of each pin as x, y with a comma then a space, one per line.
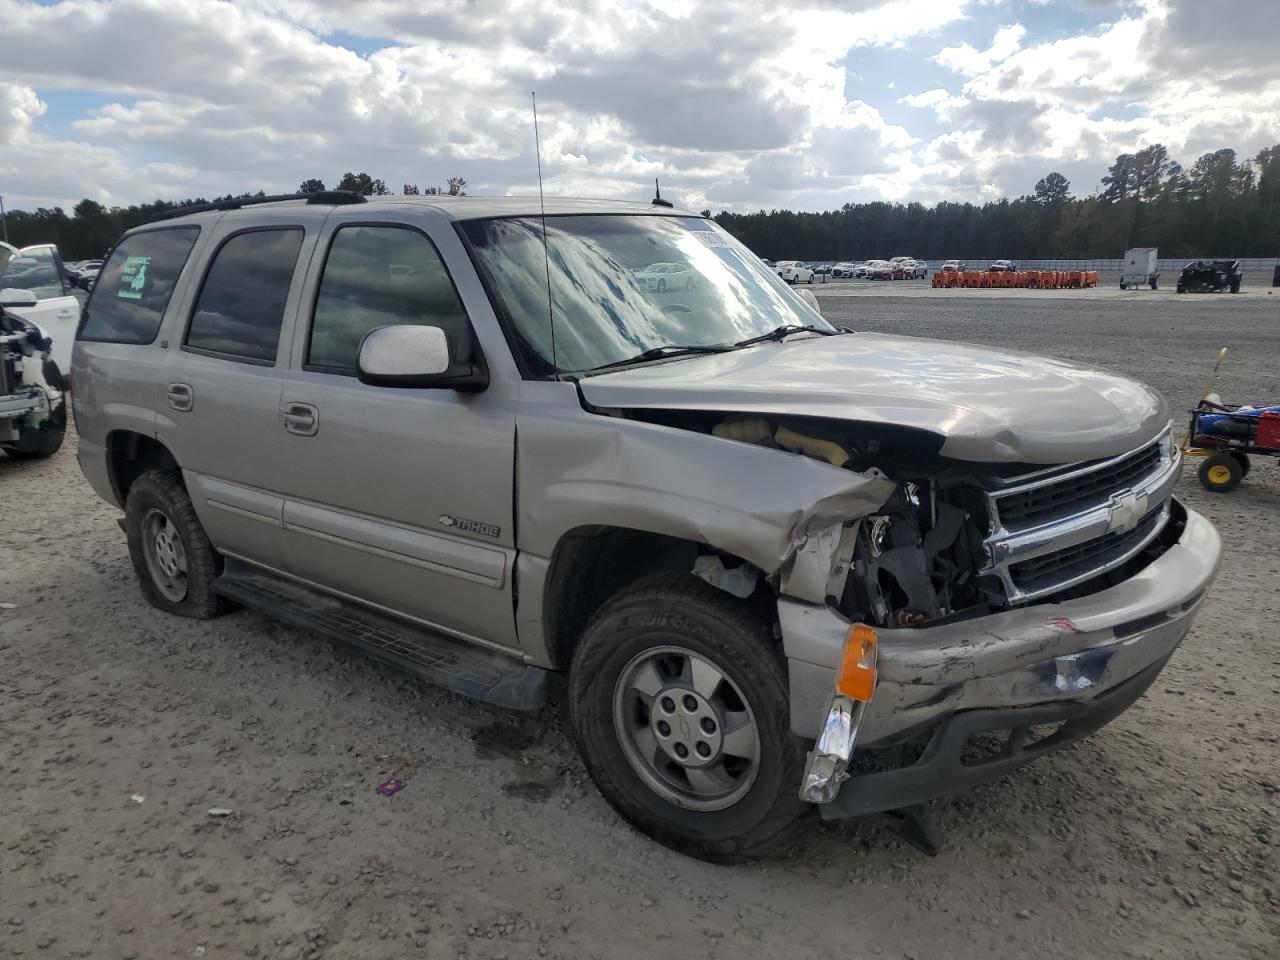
464, 668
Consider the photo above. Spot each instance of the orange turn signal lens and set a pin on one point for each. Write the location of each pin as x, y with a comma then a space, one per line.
857, 676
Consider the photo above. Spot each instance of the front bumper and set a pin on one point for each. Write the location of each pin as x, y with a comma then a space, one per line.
1077, 663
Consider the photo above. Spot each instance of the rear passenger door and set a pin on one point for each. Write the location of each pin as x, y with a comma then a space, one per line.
220, 393
401, 498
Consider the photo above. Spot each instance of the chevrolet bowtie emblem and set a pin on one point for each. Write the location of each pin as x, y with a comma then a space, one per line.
1127, 509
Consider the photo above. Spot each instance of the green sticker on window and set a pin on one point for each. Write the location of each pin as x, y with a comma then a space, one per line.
133, 278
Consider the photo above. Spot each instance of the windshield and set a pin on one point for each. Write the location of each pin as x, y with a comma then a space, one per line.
610, 302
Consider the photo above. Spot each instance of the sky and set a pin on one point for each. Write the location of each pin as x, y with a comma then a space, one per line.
732, 104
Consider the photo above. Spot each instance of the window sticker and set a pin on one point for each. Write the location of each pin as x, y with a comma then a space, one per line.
710, 238
133, 278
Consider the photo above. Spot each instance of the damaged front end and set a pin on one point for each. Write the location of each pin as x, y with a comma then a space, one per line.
972, 597
32, 401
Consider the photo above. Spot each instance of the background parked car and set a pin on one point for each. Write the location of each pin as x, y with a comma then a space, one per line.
843, 269
911, 268
1002, 266
954, 266
880, 270
795, 271
83, 272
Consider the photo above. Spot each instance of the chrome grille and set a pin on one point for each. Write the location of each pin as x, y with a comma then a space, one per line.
1051, 569
1058, 528
1032, 506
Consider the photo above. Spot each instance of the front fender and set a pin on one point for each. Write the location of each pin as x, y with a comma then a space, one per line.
577, 468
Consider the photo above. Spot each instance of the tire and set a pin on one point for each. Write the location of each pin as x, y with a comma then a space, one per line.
1243, 460
662, 286
40, 443
1155, 284
667, 622
1221, 473
158, 506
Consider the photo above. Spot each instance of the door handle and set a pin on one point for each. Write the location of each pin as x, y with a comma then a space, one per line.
180, 397
302, 419
66, 314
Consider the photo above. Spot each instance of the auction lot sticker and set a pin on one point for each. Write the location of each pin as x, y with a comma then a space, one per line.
133, 279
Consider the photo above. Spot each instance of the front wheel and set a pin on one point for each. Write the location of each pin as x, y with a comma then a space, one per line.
662, 286
172, 556
678, 704
43, 441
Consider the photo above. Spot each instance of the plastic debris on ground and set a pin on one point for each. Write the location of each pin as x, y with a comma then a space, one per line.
391, 787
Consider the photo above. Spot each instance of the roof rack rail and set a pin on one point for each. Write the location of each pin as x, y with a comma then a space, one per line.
335, 197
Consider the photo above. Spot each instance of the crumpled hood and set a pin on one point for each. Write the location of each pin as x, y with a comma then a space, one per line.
988, 405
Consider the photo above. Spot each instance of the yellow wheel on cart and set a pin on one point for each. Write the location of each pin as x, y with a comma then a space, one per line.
1221, 473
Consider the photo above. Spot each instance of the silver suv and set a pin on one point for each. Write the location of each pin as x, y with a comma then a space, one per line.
781, 564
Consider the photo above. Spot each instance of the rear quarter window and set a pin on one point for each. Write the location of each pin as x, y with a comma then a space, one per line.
241, 305
135, 285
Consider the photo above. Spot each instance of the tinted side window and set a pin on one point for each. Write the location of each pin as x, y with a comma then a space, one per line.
134, 287
377, 277
241, 304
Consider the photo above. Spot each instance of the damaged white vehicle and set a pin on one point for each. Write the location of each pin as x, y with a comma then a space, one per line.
783, 565
33, 409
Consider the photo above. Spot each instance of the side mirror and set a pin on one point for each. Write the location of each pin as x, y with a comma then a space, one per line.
811, 300
13, 297
409, 355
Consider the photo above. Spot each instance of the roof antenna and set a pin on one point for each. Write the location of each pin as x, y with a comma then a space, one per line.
546, 251
657, 200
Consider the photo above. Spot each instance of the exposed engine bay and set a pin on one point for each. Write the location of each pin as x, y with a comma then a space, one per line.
925, 556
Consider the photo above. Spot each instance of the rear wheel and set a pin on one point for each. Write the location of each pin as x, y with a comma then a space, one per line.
172, 556
678, 703
1221, 473
1243, 460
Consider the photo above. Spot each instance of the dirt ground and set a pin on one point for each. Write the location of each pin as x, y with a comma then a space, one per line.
122, 728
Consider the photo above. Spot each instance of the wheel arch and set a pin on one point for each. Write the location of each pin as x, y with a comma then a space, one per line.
592, 564
131, 454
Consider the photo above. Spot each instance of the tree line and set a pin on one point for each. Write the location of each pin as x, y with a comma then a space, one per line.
1219, 206
91, 228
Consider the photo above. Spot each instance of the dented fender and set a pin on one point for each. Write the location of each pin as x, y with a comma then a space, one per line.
577, 468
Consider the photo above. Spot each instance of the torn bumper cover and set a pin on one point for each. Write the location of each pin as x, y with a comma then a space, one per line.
1074, 665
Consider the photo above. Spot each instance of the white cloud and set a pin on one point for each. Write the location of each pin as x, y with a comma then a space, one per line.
730, 102
969, 61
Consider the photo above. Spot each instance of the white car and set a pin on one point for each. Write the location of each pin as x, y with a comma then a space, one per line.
665, 276
34, 286
794, 271
910, 268
844, 269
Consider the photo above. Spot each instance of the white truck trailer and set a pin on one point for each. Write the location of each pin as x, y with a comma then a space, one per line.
1140, 268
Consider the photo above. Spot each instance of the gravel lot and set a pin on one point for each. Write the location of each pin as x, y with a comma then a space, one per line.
121, 728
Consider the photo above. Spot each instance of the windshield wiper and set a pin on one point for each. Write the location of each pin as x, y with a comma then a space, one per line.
779, 333
662, 353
